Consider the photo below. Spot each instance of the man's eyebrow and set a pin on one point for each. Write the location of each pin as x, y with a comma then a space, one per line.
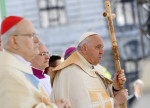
44, 52
100, 45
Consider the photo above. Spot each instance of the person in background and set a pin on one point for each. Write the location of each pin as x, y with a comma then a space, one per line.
39, 63
138, 85
54, 61
68, 52
80, 79
19, 87
143, 102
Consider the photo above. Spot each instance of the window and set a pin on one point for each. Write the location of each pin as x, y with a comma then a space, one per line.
52, 12
125, 13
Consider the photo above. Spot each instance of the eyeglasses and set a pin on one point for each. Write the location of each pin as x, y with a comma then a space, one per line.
30, 35
45, 54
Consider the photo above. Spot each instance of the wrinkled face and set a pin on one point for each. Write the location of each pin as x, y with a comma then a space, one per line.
26, 43
94, 49
41, 61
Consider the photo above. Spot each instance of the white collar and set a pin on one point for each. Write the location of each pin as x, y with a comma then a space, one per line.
19, 57
22, 59
85, 61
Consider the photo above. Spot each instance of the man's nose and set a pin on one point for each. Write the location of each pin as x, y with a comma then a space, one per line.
36, 40
47, 56
101, 51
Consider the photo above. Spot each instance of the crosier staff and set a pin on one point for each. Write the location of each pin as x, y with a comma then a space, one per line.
109, 15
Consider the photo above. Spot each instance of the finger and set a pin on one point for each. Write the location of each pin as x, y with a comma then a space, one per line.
126, 96
121, 74
116, 74
62, 100
67, 101
122, 78
66, 106
126, 90
122, 71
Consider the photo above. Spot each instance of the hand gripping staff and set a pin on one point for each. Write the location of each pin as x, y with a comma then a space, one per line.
109, 15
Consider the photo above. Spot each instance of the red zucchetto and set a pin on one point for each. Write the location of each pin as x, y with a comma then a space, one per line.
9, 22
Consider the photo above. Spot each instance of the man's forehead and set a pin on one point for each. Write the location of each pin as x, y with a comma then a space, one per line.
96, 39
42, 48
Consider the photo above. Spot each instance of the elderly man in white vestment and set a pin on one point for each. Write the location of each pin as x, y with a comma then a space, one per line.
81, 80
19, 87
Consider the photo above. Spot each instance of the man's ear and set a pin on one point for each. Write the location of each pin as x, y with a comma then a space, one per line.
50, 69
84, 48
13, 42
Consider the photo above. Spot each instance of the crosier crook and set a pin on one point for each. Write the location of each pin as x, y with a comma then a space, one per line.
109, 15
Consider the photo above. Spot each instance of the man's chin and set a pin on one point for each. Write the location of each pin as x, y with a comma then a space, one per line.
99, 59
96, 63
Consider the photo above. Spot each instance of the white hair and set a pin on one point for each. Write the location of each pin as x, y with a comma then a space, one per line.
5, 36
138, 82
85, 41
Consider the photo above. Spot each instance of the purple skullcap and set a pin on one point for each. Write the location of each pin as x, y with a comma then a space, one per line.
70, 49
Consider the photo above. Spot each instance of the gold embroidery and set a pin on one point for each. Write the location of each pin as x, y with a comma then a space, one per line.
104, 95
97, 107
94, 96
100, 99
93, 73
44, 98
108, 105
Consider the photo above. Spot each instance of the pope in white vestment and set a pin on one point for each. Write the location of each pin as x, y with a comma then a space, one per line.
84, 86
80, 78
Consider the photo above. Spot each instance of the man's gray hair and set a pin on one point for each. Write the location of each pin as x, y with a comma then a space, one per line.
5, 36
85, 41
